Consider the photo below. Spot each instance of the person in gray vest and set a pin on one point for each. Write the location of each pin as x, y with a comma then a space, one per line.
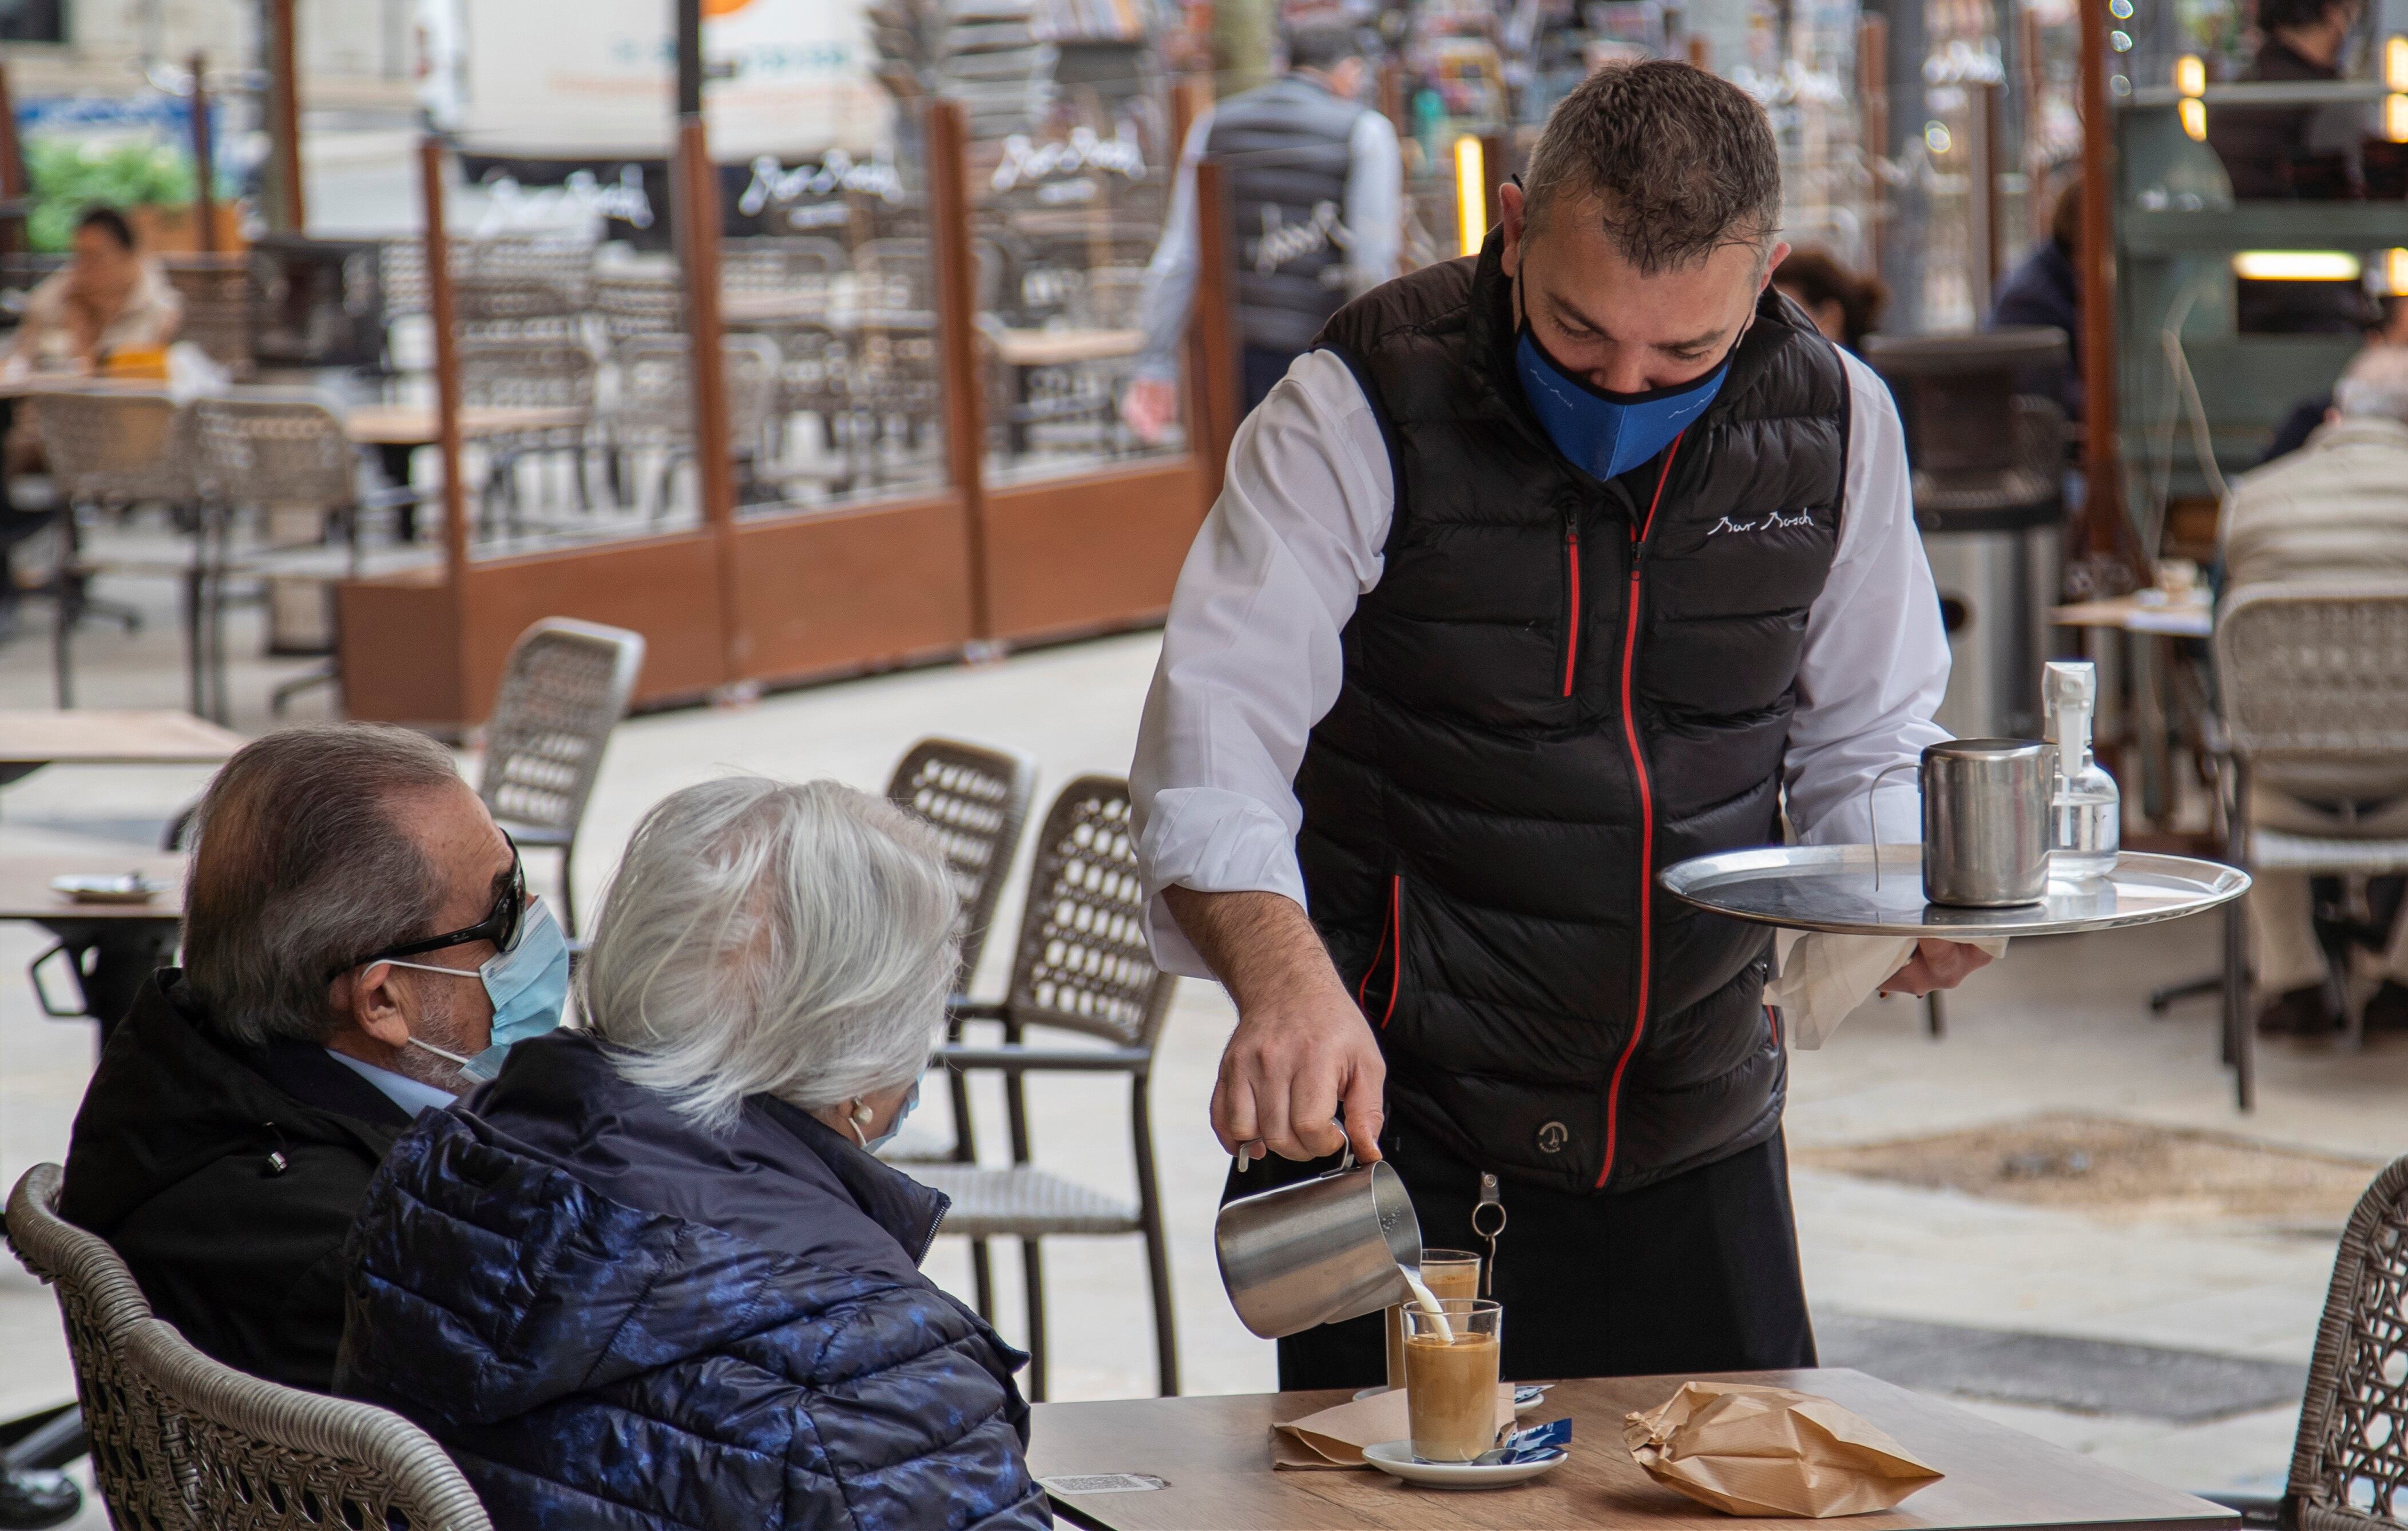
1316, 185
1546, 569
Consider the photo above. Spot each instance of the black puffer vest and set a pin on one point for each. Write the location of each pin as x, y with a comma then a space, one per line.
1288, 146
1560, 687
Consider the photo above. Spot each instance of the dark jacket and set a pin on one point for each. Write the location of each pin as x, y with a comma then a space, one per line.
1289, 148
2045, 291
2263, 146
613, 1320
1558, 687
226, 1176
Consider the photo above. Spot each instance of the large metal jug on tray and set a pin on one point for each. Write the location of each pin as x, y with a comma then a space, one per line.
1330, 1247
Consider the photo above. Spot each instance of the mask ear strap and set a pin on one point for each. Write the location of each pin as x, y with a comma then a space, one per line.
853, 1120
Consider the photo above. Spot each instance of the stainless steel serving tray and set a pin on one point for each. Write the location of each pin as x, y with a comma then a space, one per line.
1830, 888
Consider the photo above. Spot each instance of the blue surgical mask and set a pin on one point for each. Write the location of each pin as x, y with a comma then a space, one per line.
1606, 433
874, 1144
528, 984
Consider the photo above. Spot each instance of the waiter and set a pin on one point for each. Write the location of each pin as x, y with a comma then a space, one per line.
1545, 570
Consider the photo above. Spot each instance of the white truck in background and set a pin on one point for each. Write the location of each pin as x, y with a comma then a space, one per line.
531, 84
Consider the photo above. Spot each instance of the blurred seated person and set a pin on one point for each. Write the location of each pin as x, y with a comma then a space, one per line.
670, 1235
1844, 305
345, 891
2045, 290
2335, 509
2292, 151
107, 297
2390, 329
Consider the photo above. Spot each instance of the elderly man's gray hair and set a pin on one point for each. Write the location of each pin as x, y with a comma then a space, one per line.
761, 937
2375, 385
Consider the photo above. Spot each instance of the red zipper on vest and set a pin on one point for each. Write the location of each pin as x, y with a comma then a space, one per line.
1572, 585
1392, 939
1646, 817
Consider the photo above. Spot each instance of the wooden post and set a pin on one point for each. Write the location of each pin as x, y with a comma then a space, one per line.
1214, 394
1872, 126
2105, 528
2035, 153
1981, 195
695, 196
1701, 51
444, 314
14, 182
205, 192
1392, 97
289, 213
1190, 99
957, 338
1495, 149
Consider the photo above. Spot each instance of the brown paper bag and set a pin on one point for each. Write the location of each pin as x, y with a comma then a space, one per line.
1767, 1450
1335, 1438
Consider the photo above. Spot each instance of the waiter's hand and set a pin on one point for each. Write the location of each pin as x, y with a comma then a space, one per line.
1301, 1050
1148, 406
1936, 965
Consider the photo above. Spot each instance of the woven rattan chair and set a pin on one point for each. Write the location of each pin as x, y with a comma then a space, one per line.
2349, 1463
1081, 965
652, 406
564, 689
180, 1441
537, 373
108, 451
217, 297
635, 304
2303, 672
134, 1455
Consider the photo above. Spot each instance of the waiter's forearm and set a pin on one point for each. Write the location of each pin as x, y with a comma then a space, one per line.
1261, 946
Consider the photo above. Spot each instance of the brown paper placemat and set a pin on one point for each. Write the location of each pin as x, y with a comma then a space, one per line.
1335, 1438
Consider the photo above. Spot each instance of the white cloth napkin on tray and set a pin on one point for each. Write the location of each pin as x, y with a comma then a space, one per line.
1822, 978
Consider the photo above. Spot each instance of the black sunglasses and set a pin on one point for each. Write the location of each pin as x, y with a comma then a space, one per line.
499, 926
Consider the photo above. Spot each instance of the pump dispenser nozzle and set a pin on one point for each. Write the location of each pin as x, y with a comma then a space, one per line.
2085, 829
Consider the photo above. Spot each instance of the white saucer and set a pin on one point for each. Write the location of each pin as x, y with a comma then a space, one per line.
1396, 1459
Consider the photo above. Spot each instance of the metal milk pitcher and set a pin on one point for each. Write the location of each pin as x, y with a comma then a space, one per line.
1330, 1247
1985, 822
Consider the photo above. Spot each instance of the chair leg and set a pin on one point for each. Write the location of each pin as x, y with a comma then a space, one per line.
1935, 1015
982, 1279
63, 620
1032, 1262
193, 701
1158, 1247
2240, 1033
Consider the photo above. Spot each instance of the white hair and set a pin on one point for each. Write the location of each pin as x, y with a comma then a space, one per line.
2375, 386
763, 937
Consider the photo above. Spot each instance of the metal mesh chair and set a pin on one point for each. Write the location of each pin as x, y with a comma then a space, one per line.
113, 450
635, 304
509, 307
780, 265
530, 373
2304, 672
1081, 965
652, 406
2349, 1463
180, 1442
564, 687
135, 1461
216, 292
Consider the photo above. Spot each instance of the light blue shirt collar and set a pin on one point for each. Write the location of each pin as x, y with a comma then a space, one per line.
410, 1095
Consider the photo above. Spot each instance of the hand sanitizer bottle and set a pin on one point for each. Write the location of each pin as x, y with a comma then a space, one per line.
2085, 811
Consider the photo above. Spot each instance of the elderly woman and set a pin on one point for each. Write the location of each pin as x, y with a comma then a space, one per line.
652, 1276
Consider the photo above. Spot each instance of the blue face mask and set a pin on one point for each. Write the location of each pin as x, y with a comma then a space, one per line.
874, 1144
1609, 434
527, 983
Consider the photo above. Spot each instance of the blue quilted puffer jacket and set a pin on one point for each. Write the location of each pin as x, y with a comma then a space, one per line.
615, 1321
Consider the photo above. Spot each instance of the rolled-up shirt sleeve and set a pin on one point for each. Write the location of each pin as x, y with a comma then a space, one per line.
1249, 656
1875, 664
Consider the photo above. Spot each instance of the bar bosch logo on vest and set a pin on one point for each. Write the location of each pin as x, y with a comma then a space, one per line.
1776, 522
1553, 1136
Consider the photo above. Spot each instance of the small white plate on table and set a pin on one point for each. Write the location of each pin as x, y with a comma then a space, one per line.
132, 888
1396, 1459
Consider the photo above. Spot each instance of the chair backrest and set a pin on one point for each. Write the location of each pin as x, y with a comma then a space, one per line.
977, 800
2350, 1459
488, 303
527, 373
216, 290
288, 451
637, 302
122, 448
564, 688
262, 1457
2310, 668
135, 1457
1083, 962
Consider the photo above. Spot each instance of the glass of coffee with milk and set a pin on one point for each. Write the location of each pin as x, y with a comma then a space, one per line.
1452, 1351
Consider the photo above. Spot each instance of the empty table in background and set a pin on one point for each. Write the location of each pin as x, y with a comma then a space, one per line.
31, 739
111, 948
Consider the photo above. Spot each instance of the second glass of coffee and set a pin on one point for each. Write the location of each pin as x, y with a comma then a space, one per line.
1451, 1370
1447, 1273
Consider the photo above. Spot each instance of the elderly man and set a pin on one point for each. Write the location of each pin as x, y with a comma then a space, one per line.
357, 942
2335, 509
1549, 568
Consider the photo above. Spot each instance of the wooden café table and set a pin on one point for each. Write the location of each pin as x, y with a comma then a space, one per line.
110, 947
1213, 1456
31, 739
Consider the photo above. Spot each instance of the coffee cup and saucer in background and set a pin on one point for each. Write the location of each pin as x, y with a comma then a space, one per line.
1451, 1356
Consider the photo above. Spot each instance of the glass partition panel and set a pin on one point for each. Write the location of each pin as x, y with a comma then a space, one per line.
1068, 200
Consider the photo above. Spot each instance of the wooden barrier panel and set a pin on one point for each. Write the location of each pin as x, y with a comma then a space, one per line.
1086, 555
842, 592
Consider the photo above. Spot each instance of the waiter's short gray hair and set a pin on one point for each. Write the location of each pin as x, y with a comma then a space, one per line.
1676, 163
2375, 386
760, 938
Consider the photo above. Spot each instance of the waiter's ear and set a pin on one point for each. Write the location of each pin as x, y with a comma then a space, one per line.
1773, 260
1511, 208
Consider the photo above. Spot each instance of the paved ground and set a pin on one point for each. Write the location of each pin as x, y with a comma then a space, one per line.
1899, 1273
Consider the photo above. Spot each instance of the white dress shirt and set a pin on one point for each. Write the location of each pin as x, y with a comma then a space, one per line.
1250, 658
1373, 215
411, 1095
